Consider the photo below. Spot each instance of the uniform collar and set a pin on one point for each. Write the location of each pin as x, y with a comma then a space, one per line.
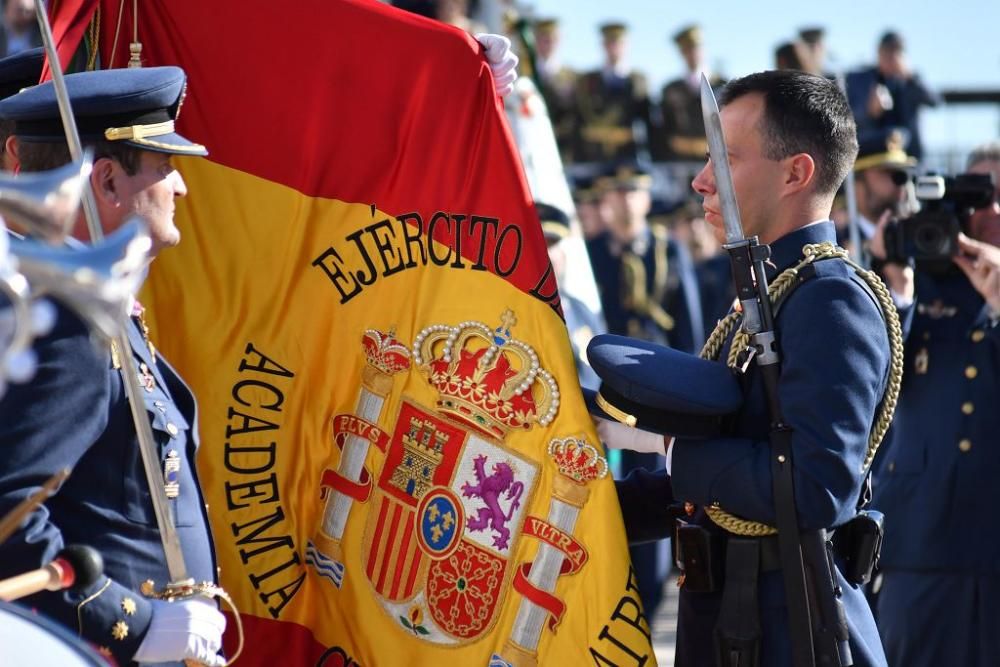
787, 250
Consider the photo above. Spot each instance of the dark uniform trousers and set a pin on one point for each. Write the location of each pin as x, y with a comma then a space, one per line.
937, 484
75, 413
835, 364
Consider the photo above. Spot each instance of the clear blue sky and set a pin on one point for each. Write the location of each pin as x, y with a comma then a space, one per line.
951, 44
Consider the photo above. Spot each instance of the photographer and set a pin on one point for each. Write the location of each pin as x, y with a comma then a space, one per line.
936, 478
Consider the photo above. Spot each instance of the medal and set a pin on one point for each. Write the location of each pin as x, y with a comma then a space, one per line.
171, 474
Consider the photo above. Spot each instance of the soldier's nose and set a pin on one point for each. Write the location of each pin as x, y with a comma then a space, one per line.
703, 182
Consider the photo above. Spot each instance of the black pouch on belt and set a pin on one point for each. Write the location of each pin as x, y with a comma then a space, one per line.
859, 543
737, 632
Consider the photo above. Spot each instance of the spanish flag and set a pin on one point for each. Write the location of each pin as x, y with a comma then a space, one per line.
398, 462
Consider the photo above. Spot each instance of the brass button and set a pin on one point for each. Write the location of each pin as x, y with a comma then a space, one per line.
927, 335
172, 429
971, 372
892, 466
968, 408
978, 335
965, 444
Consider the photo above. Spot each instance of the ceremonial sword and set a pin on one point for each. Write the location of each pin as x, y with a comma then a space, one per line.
797, 550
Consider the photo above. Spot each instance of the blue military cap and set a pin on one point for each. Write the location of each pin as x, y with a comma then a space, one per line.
135, 106
659, 389
21, 70
554, 221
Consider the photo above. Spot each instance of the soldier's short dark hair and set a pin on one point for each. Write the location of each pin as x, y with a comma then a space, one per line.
42, 156
803, 113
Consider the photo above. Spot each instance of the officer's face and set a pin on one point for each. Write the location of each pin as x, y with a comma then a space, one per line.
150, 193
545, 43
757, 179
984, 225
614, 49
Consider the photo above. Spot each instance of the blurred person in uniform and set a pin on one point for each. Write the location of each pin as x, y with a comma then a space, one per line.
19, 71
888, 97
556, 83
682, 134
649, 291
646, 280
686, 225
592, 209
581, 323
612, 106
936, 479
881, 173
19, 30
74, 412
791, 141
813, 40
792, 55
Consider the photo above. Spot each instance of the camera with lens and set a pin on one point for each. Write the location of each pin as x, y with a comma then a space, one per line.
930, 237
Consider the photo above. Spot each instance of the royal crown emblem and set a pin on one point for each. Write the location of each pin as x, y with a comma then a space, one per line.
578, 460
384, 352
486, 378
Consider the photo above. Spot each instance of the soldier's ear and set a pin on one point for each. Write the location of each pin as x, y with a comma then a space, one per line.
800, 173
103, 182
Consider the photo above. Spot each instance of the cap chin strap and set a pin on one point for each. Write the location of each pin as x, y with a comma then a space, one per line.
620, 415
140, 134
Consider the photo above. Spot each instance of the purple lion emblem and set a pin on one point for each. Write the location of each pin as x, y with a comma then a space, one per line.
489, 489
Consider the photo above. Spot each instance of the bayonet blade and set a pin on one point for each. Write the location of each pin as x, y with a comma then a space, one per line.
720, 163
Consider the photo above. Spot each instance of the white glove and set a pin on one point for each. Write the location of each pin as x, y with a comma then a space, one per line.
620, 436
502, 61
184, 630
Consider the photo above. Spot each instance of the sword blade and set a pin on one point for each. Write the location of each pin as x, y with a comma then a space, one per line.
720, 163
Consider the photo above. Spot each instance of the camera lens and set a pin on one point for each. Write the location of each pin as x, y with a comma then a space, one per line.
930, 240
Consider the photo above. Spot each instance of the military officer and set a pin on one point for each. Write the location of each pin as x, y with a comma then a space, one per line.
75, 413
612, 106
646, 280
556, 83
683, 132
936, 480
835, 368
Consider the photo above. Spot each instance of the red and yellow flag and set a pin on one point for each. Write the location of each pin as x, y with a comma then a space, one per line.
399, 464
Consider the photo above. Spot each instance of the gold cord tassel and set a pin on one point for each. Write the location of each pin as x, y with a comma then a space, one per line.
135, 47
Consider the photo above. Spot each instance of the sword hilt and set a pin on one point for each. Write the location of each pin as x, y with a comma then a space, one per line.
189, 588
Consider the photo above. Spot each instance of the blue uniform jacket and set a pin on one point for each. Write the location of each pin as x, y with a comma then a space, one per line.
74, 413
835, 363
937, 475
